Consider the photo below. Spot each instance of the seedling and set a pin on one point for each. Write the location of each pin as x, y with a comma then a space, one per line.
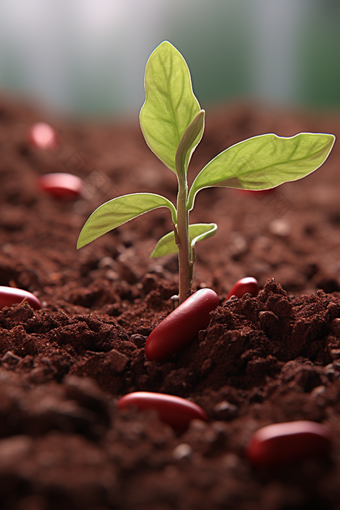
172, 123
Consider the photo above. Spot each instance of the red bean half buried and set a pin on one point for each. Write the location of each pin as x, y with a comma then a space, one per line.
42, 136
175, 411
258, 193
246, 285
181, 326
10, 295
61, 185
282, 443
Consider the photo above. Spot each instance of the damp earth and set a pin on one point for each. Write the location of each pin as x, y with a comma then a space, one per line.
262, 360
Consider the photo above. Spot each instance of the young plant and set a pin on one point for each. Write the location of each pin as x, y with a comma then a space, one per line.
172, 123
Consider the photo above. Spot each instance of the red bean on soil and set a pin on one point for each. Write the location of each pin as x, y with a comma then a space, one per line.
246, 285
10, 296
258, 193
61, 185
175, 411
282, 443
181, 326
42, 136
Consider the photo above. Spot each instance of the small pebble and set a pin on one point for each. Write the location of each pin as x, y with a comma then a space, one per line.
335, 353
11, 295
106, 262
336, 326
284, 443
225, 409
138, 340
317, 391
10, 359
174, 302
182, 451
174, 411
279, 227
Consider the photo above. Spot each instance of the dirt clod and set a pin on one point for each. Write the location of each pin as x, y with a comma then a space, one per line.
262, 360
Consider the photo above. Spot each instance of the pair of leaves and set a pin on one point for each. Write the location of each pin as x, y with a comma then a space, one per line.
118, 211
197, 232
171, 118
172, 123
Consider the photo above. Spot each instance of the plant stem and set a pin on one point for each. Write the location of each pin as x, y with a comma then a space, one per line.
182, 241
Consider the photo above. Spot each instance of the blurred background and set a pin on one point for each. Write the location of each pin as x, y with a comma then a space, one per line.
87, 57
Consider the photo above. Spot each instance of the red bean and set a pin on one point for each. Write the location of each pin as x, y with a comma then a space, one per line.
181, 326
175, 411
246, 285
61, 185
279, 444
10, 295
258, 193
43, 136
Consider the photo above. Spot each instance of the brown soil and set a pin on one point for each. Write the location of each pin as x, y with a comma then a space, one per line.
262, 360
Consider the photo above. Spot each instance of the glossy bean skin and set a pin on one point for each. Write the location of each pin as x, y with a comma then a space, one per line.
248, 285
10, 296
42, 136
283, 443
181, 326
175, 411
61, 185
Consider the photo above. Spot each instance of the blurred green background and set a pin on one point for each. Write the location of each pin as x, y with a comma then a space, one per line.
88, 56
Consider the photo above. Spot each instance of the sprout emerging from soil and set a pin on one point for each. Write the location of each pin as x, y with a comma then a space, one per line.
172, 123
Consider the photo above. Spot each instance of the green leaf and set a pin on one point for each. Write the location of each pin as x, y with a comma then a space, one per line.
170, 105
115, 212
197, 232
264, 162
190, 139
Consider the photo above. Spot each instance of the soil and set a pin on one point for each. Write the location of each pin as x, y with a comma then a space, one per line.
273, 358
